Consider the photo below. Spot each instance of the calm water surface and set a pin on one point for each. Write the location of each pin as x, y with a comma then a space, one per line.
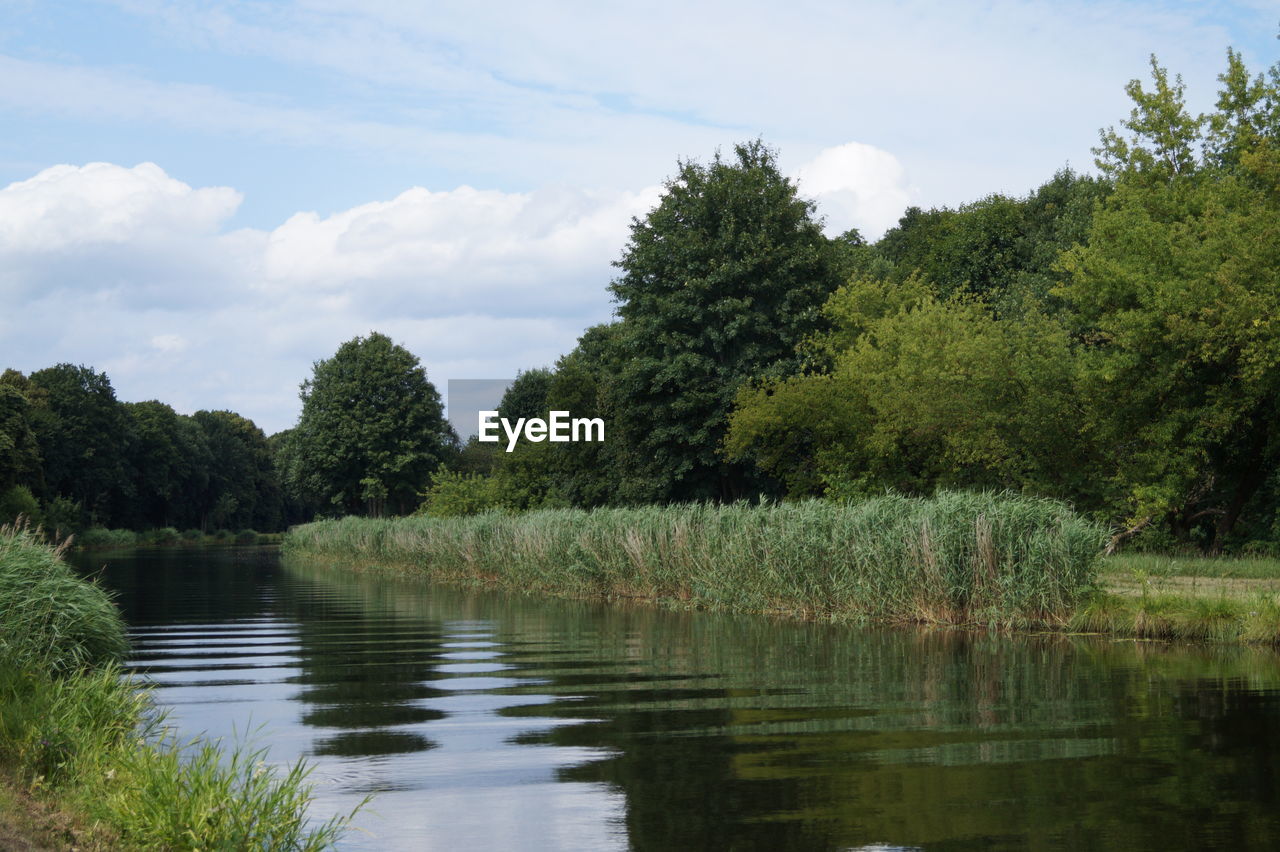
485, 721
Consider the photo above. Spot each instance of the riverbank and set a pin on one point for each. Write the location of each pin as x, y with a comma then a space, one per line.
956, 558
1155, 596
83, 743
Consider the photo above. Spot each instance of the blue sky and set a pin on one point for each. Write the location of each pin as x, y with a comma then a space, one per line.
272, 179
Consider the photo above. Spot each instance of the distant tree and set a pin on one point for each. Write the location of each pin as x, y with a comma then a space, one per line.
243, 489
20, 462
83, 434
719, 282
169, 458
372, 430
527, 396
1001, 249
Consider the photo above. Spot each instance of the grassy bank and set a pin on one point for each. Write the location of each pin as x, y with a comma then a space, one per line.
956, 558
80, 739
1162, 596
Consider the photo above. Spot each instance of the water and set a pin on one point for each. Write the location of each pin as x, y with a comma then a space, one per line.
483, 721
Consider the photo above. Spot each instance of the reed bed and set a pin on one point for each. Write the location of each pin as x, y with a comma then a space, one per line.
955, 558
80, 735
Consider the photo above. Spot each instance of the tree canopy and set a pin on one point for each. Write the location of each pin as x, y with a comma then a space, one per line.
371, 432
719, 282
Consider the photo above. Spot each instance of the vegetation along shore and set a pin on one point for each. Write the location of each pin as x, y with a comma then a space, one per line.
85, 759
966, 559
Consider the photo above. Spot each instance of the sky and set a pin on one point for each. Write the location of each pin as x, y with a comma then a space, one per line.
202, 199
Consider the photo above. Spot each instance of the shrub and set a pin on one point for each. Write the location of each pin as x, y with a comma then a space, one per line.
63, 517
454, 495
19, 502
247, 537
100, 538
165, 536
51, 619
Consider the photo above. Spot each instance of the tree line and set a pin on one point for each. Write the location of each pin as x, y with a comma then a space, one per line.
1108, 339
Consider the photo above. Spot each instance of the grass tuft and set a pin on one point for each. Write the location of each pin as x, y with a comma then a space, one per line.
51, 619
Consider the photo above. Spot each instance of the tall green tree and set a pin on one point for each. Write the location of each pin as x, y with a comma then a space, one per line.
83, 435
242, 489
527, 396
170, 462
719, 282
20, 462
1177, 303
372, 430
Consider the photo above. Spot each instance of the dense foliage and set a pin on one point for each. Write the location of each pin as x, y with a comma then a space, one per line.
372, 430
72, 456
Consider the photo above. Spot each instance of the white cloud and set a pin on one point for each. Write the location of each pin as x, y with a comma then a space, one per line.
856, 185
128, 270
426, 253
103, 203
134, 235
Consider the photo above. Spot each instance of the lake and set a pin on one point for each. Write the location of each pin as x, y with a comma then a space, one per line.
484, 720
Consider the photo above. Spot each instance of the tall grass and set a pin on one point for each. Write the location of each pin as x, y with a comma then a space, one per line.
94, 742
74, 729
953, 558
49, 617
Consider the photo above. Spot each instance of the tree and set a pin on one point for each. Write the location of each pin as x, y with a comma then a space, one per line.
527, 396
930, 394
20, 462
1177, 302
719, 282
170, 463
242, 488
83, 433
372, 429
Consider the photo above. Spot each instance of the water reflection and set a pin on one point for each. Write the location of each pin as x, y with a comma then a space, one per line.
484, 720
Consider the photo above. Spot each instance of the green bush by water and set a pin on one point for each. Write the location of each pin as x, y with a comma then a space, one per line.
51, 619
953, 558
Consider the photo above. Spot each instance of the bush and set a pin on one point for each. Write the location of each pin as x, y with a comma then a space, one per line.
192, 535
50, 619
223, 536
101, 538
247, 537
454, 495
63, 517
19, 502
165, 536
